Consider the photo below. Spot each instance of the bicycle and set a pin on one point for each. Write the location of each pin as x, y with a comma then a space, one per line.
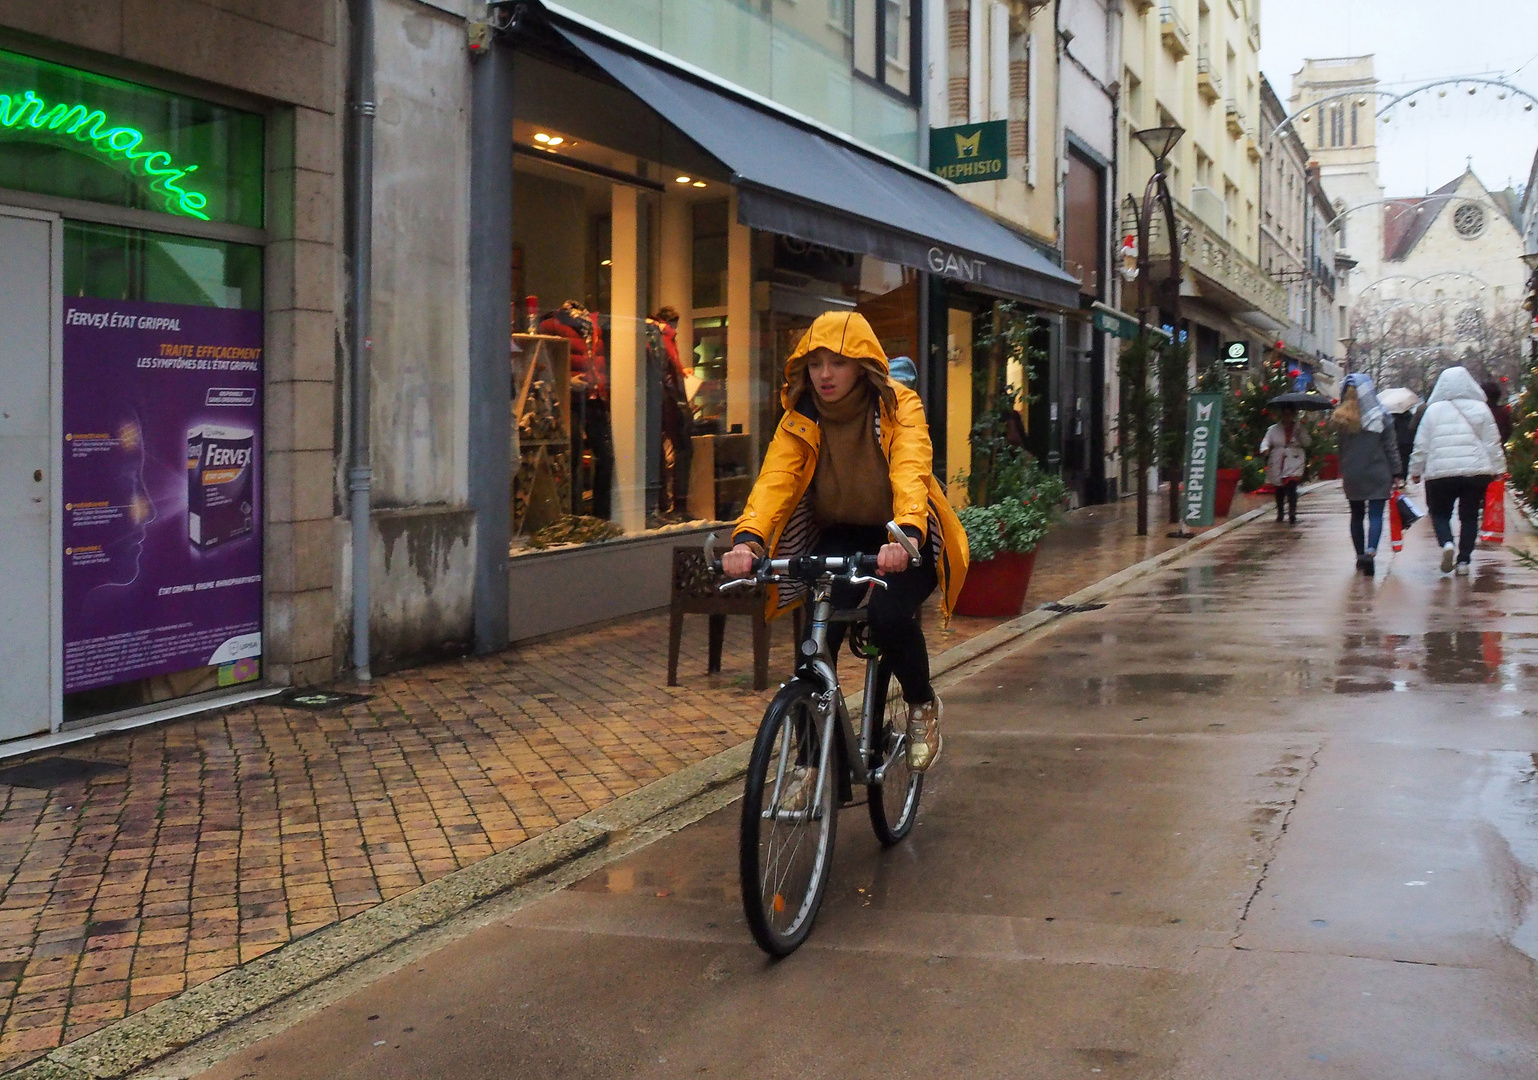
808, 751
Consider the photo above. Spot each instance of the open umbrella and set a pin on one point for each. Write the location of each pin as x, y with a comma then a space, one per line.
1301, 400
1398, 399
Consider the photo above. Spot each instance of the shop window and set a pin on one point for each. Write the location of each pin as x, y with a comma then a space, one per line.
132, 264
162, 477
78, 135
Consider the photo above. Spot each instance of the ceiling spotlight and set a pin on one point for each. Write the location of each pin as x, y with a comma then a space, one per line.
685, 179
699, 183
541, 137
606, 262
556, 140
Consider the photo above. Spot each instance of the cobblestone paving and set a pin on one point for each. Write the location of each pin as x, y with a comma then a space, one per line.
209, 841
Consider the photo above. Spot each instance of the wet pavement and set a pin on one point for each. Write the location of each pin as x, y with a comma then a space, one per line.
1258, 818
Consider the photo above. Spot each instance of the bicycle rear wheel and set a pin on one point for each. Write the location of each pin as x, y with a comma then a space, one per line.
789, 816
894, 803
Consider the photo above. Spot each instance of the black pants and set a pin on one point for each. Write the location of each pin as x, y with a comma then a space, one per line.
1287, 495
893, 613
590, 431
1469, 493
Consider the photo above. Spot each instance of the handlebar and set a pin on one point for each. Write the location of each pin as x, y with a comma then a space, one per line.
857, 569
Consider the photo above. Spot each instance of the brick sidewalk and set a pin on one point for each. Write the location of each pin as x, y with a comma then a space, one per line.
206, 842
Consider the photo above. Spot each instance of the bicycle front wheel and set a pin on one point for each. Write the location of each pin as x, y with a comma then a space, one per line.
789, 815
894, 802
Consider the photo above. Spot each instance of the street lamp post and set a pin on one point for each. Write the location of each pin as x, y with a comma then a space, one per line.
1158, 141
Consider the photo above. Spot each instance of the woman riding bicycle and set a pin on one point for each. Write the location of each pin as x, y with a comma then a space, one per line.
851, 453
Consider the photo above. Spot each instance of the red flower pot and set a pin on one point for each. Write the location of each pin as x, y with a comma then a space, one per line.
1329, 467
996, 587
1223, 495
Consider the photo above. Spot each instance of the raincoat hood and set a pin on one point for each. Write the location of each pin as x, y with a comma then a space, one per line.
847, 333
1456, 384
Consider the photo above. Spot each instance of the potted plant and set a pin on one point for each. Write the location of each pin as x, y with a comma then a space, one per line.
1016, 501
1230, 473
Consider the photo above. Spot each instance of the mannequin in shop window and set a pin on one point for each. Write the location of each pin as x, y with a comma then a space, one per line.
675, 439
592, 436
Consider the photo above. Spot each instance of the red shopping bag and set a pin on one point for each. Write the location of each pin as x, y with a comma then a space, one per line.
1493, 529
1395, 529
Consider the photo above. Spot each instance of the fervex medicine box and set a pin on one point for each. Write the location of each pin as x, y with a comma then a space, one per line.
218, 484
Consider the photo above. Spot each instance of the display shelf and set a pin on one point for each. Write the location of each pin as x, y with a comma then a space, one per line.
541, 412
720, 476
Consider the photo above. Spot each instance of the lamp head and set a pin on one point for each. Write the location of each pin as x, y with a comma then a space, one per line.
1159, 141
1531, 259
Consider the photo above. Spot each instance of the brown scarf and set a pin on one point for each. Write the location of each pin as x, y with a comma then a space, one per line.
852, 484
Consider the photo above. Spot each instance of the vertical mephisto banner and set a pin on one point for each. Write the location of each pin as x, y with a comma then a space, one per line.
1203, 427
162, 487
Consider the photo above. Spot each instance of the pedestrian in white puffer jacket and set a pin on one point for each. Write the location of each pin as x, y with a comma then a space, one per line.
1458, 451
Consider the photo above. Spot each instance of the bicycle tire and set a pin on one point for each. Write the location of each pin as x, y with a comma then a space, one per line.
781, 906
893, 803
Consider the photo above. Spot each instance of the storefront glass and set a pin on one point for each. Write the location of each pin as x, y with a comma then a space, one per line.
162, 472
846, 63
162, 369
652, 325
80, 135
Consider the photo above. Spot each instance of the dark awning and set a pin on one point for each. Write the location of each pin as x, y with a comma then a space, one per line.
792, 179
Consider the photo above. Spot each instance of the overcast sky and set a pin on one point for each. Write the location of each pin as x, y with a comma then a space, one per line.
1417, 41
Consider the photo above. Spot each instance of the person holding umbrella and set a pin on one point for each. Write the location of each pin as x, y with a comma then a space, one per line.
1458, 451
1400, 403
1284, 446
1369, 463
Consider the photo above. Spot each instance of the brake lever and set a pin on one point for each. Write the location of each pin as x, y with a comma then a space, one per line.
864, 579
738, 583
904, 541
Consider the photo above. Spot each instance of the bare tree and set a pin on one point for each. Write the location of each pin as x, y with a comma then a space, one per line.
1409, 343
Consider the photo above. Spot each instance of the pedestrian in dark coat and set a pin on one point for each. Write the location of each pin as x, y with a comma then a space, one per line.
1370, 466
1495, 398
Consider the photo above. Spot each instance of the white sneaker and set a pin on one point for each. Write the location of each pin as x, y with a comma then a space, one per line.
1449, 556
1462, 569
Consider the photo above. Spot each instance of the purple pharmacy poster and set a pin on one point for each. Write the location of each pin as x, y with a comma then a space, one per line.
162, 486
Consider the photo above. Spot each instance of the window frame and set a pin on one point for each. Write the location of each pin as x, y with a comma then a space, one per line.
879, 79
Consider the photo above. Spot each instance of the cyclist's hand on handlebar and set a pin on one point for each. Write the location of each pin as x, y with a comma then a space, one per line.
738, 562
891, 559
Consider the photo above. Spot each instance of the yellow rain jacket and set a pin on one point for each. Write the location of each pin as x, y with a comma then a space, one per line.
779, 511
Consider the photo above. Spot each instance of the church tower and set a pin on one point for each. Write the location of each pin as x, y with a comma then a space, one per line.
1341, 134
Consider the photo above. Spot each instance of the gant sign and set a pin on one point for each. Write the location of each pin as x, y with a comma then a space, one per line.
960, 267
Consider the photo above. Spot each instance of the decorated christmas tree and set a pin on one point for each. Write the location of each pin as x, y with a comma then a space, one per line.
1522, 447
1245, 418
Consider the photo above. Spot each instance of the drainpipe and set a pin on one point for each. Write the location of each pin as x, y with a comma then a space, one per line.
360, 256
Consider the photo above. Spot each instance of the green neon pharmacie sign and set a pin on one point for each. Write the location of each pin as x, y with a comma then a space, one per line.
26, 114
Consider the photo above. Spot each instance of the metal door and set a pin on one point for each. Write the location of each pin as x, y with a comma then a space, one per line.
29, 305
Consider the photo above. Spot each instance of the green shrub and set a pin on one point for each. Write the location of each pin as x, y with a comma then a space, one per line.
1020, 520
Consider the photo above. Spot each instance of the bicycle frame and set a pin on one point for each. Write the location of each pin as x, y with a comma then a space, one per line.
816, 665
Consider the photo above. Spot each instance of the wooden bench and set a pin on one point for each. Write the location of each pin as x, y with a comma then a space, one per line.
695, 592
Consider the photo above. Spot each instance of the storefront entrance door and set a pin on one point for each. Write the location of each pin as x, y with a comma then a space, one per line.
28, 289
